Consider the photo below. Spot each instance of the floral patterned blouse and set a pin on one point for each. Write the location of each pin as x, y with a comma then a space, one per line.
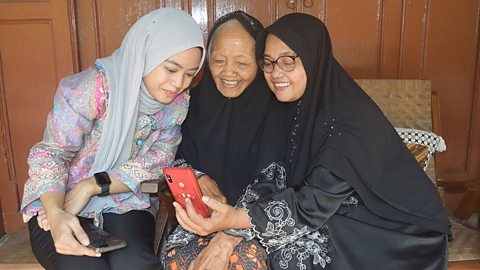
74, 127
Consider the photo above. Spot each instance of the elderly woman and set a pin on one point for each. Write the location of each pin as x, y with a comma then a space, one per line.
233, 127
349, 194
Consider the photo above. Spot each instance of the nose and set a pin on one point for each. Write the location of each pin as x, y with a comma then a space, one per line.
276, 72
229, 68
177, 80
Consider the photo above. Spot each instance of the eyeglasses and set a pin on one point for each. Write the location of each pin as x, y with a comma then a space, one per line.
285, 63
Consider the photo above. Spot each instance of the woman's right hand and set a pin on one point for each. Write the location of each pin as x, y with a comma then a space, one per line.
42, 220
68, 235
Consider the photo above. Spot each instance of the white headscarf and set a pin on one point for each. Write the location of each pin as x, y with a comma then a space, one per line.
154, 38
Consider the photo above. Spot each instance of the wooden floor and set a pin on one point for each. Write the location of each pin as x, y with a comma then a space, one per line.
16, 254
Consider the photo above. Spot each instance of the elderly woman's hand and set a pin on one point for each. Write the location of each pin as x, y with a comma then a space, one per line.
210, 188
216, 254
223, 217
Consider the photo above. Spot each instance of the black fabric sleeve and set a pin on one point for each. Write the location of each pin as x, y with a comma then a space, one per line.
282, 217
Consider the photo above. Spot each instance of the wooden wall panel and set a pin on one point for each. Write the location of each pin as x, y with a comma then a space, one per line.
36, 51
102, 24
355, 30
451, 62
27, 44
202, 15
421, 39
316, 8
391, 31
2, 227
412, 40
9, 195
263, 10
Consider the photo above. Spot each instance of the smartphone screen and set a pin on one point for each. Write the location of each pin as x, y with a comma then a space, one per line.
101, 241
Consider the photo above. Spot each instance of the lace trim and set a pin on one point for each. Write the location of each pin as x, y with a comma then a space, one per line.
280, 217
273, 173
314, 245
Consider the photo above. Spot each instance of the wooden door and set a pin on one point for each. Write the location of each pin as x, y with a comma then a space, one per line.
36, 50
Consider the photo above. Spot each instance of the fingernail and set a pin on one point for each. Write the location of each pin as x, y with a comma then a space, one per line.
85, 241
187, 200
205, 198
98, 254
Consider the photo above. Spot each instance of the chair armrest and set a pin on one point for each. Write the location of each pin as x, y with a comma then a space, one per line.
165, 221
153, 186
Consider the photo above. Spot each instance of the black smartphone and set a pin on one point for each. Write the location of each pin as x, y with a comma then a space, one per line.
101, 241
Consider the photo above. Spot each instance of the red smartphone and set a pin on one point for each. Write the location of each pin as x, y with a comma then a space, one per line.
183, 184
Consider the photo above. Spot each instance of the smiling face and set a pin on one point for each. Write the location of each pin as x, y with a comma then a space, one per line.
232, 59
167, 80
287, 86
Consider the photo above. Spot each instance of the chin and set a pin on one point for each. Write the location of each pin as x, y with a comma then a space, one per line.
165, 100
281, 97
231, 93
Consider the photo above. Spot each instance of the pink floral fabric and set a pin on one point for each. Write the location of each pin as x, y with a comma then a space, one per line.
74, 127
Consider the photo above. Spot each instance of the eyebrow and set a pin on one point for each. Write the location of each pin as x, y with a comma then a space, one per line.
178, 65
287, 53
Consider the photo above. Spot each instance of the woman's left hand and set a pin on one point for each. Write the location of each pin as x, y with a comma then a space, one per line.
79, 196
223, 217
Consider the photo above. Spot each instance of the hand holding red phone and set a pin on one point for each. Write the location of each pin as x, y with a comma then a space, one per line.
224, 216
183, 185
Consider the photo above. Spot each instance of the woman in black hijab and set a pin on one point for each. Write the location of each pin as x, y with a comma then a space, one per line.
233, 126
349, 195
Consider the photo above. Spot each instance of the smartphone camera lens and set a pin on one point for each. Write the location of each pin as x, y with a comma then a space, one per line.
169, 179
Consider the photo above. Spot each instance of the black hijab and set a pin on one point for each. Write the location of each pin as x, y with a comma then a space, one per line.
230, 138
341, 129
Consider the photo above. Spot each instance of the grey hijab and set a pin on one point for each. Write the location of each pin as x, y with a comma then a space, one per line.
154, 38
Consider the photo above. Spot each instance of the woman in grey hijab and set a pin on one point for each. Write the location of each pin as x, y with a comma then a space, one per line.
112, 126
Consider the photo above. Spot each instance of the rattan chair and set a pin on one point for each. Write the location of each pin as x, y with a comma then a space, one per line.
412, 104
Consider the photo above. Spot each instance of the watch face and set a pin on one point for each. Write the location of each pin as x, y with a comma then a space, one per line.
102, 178
103, 181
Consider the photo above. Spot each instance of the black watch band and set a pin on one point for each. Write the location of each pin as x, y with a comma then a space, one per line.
103, 181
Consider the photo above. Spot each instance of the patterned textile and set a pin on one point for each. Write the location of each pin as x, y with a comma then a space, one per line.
301, 249
431, 140
246, 255
74, 126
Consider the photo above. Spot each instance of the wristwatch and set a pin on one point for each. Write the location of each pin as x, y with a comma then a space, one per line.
103, 181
